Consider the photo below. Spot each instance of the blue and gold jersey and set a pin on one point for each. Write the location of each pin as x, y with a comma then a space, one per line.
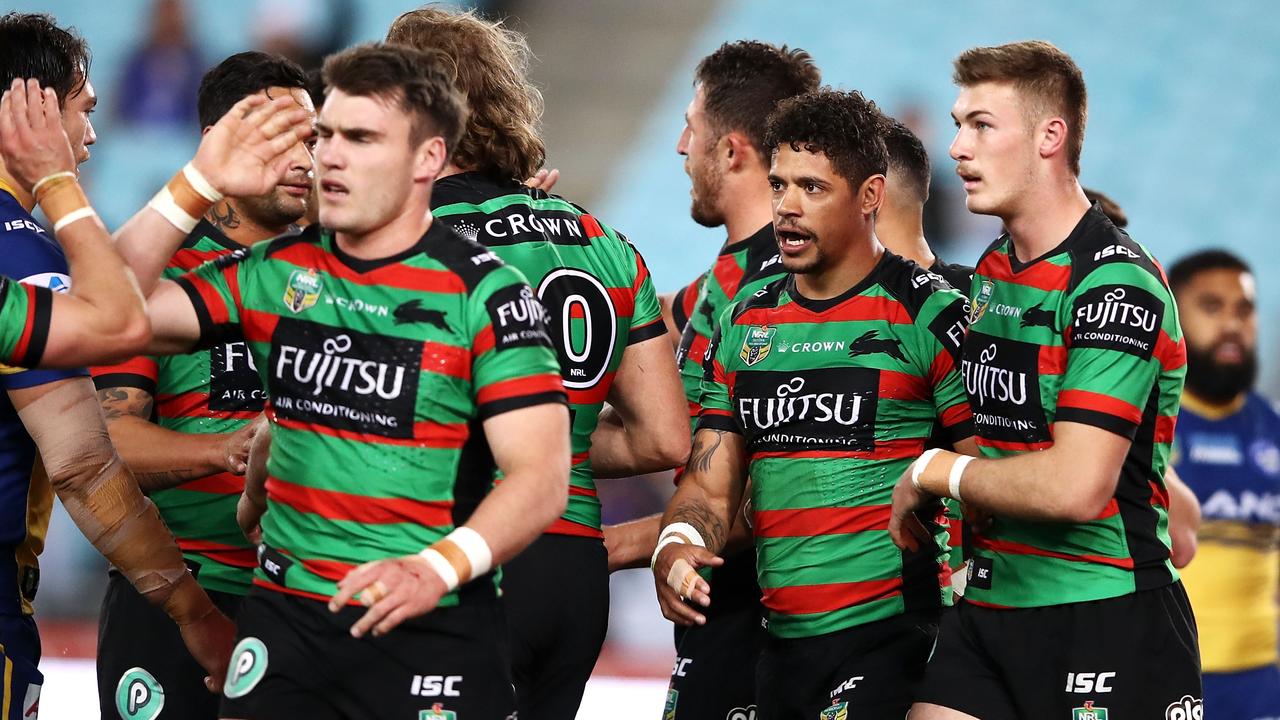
32, 256
1232, 462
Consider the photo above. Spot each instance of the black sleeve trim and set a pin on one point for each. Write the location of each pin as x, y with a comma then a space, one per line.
129, 380
497, 407
677, 308
1105, 421
40, 317
718, 422
657, 328
210, 334
960, 431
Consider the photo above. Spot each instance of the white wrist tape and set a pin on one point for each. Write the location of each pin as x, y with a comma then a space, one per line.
73, 216
200, 184
163, 203
676, 532
957, 471
459, 556
473, 545
922, 462
442, 567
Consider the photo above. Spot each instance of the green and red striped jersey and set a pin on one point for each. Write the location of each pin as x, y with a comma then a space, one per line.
1087, 333
379, 375
596, 289
834, 399
209, 391
24, 322
740, 269
685, 301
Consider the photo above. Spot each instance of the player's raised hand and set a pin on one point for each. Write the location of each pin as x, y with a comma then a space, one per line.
544, 179
32, 140
905, 529
675, 573
247, 152
394, 590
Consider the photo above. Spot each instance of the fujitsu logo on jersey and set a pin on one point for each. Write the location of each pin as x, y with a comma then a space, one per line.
986, 382
331, 369
1113, 310
1118, 317
793, 405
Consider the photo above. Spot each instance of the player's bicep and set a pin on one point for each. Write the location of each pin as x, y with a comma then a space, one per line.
533, 438
1094, 455
646, 382
175, 322
121, 401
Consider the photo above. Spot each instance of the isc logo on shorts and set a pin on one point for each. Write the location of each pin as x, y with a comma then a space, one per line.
436, 685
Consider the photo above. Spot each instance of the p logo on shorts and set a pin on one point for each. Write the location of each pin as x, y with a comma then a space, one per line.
248, 665
139, 695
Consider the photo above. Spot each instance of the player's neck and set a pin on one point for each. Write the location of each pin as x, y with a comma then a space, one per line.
1046, 216
1212, 409
748, 206
399, 234
451, 169
838, 279
11, 186
902, 233
238, 226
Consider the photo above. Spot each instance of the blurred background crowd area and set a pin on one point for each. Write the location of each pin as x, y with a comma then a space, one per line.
1182, 99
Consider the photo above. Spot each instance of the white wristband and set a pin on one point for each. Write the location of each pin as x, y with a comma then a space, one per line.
676, 532
164, 204
957, 471
200, 184
442, 568
922, 462
73, 216
473, 545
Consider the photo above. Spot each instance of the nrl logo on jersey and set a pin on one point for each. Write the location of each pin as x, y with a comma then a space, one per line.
758, 343
303, 290
980, 303
1089, 712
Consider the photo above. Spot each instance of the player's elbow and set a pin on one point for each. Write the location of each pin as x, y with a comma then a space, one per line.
135, 335
671, 448
1088, 500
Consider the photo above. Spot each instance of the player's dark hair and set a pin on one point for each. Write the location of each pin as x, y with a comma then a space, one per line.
419, 82
490, 65
33, 46
743, 81
1183, 271
845, 126
907, 158
1049, 81
315, 87
1110, 207
240, 76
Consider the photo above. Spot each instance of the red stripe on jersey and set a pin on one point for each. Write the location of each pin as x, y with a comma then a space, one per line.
712, 411
28, 326
955, 532
1041, 275
593, 395
225, 554
186, 405
449, 360
1012, 446
1098, 402
698, 348
942, 364
896, 385
258, 326
1112, 508
695, 409
1052, 359
577, 459
516, 387
568, 527
334, 505
591, 226
484, 341
642, 274
859, 308
1009, 547
223, 483
188, 259
328, 569
268, 585
993, 606
689, 297
1159, 494
396, 275
1170, 354
449, 436
582, 492
885, 450
142, 366
807, 599
728, 275
1165, 425
957, 413
213, 301
624, 301
808, 522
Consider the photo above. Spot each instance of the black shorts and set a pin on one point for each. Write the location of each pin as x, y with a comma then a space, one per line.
868, 672
142, 660
1134, 656
557, 597
714, 674
295, 659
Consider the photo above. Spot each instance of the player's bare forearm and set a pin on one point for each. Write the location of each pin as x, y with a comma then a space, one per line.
647, 398
531, 448
710, 491
158, 457
631, 544
1184, 519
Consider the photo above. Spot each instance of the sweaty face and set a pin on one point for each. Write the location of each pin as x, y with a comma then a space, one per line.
76, 110
289, 201
1220, 324
813, 210
994, 148
698, 146
365, 162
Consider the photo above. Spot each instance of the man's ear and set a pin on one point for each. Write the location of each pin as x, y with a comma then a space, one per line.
871, 194
429, 159
1053, 137
740, 152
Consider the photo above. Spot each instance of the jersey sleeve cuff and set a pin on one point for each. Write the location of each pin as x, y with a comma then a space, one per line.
124, 379
1096, 418
38, 332
710, 420
647, 332
507, 404
208, 329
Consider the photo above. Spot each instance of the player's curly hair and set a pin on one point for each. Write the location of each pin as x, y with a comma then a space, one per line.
490, 64
845, 126
743, 81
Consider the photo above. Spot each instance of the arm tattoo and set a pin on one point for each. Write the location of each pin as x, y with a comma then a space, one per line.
700, 458
118, 402
223, 216
704, 520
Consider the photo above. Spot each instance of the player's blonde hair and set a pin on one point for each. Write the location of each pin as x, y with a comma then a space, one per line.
1047, 78
490, 64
